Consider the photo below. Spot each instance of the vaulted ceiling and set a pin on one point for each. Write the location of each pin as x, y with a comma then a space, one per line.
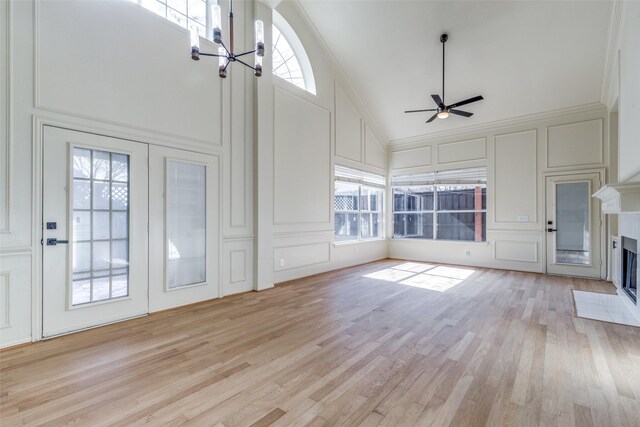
524, 57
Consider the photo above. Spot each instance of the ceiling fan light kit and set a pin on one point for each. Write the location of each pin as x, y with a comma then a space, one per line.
443, 111
227, 55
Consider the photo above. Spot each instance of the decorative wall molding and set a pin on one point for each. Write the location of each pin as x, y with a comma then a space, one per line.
407, 159
480, 154
611, 58
498, 125
534, 157
512, 250
6, 122
340, 74
5, 300
329, 183
577, 150
238, 257
150, 136
301, 255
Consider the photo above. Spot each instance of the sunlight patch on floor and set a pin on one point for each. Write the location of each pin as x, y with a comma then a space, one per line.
424, 276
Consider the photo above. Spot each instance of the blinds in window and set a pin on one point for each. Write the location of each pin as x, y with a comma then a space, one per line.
346, 174
455, 176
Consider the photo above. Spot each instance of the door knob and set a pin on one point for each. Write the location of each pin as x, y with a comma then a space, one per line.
54, 242
551, 229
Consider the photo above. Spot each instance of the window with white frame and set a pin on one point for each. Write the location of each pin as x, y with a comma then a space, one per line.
290, 61
447, 205
358, 204
185, 13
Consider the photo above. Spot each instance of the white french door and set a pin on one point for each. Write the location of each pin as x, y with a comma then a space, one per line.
95, 246
573, 225
184, 227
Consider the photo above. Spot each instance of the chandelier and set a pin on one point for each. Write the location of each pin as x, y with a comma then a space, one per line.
226, 55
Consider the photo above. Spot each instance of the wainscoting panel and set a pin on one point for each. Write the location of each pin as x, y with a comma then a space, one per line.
295, 256
15, 299
237, 265
507, 250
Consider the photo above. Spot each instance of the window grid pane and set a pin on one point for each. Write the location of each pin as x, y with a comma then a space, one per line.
285, 63
456, 212
358, 212
97, 197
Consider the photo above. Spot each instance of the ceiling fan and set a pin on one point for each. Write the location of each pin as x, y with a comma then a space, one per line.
443, 110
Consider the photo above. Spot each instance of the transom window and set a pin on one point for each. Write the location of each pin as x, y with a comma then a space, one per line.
447, 206
186, 13
285, 63
290, 61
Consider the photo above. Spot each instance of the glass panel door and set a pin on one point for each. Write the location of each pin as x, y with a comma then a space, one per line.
100, 226
184, 229
95, 243
572, 223
186, 224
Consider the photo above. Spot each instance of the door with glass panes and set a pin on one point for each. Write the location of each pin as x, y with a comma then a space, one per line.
574, 225
94, 245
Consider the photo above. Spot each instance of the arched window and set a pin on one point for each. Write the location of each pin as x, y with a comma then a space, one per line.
290, 61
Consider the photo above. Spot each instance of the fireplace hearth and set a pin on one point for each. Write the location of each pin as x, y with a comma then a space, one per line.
630, 267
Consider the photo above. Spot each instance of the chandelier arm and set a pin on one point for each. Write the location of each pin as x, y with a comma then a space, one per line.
245, 53
226, 65
244, 63
225, 48
213, 54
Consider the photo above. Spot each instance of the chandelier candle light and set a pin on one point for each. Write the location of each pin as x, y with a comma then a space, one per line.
227, 55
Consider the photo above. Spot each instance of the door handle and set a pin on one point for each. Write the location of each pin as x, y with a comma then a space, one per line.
551, 229
54, 242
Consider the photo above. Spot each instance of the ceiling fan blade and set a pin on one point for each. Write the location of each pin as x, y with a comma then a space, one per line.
466, 101
420, 111
432, 118
437, 100
461, 113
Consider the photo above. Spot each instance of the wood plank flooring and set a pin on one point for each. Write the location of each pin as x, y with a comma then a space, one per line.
387, 343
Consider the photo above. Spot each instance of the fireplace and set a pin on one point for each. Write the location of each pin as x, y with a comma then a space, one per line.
630, 267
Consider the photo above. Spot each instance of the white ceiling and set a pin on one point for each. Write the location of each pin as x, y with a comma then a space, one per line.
524, 57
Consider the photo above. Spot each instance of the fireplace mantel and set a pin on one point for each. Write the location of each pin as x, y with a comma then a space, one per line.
620, 198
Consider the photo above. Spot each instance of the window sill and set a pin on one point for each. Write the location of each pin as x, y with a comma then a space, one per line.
466, 242
355, 242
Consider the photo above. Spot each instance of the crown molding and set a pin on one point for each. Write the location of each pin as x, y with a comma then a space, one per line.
505, 123
339, 74
611, 57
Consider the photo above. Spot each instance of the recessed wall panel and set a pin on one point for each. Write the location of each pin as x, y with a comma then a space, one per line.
289, 257
515, 178
374, 152
302, 161
575, 144
506, 250
348, 128
462, 151
411, 158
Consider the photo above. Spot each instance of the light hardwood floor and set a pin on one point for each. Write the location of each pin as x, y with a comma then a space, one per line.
386, 343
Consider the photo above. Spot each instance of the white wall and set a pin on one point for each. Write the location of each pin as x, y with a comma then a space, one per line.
311, 134
113, 68
517, 153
